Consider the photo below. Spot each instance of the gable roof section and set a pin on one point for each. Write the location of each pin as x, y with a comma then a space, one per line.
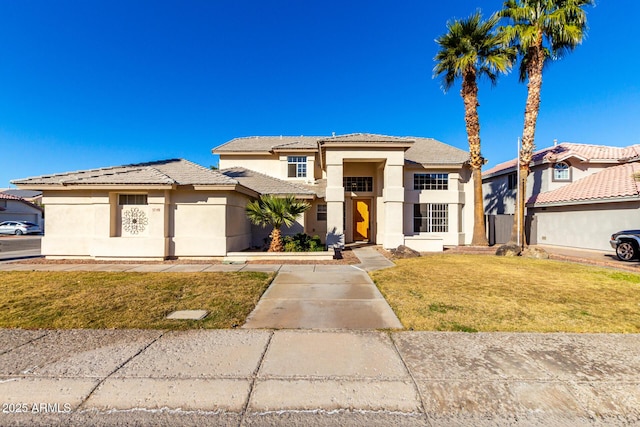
428, 151
566, 150
611, 184
265, 184
266, 144
163, 172
419, 150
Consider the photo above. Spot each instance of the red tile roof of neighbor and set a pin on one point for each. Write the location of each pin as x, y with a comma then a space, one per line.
5, 196
566, 150
616, 182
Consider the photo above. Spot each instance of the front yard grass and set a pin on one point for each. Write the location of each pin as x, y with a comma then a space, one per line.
67, 300
489, 293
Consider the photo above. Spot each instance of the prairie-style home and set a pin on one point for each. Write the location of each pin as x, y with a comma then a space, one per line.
362, 187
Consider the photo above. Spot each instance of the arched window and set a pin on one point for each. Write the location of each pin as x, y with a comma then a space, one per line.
561, 172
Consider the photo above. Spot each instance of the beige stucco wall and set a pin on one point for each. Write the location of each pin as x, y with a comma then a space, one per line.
275, 165
314, 227
266, 163
585, 226
181, 223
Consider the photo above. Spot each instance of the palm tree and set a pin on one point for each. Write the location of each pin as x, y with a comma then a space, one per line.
541, 30
276, 212
472, 49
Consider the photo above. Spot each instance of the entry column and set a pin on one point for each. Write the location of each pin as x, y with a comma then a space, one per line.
393, 195
335, 201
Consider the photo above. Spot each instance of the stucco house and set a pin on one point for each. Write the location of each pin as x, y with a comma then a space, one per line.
14, 208
577, 194
362, 187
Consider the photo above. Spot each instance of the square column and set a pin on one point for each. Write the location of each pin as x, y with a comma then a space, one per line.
335, 205
393, 195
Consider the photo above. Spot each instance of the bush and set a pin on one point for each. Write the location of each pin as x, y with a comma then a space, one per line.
302, 242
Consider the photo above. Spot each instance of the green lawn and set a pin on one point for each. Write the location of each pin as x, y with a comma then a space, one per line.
489, 293
65, 300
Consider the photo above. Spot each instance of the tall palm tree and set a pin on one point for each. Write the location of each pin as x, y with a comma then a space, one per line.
276, 212
541, 30
471, 49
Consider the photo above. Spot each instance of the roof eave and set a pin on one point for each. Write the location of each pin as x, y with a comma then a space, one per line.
300, 149
585, 202
369, 145
243, 153
75, 186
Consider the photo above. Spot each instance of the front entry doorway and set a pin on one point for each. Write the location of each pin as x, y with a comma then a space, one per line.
361, 219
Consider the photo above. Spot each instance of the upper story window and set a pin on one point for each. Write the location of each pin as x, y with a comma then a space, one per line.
561, 172
431, 181
296, 166
512, 181
132, 199
358, 183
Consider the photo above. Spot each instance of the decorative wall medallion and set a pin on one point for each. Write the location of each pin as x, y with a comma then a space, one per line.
134, 221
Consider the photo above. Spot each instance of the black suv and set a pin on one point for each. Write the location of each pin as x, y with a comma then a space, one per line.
627, 244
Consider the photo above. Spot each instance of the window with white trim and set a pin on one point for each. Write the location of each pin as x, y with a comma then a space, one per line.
561, 172
296, 166
431, 218
512, 181
321, 212
431, 181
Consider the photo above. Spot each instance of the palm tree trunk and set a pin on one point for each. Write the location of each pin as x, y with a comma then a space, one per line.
534, 87
469, 95
276, 241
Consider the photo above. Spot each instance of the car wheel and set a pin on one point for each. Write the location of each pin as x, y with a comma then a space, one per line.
18, 232
626, 251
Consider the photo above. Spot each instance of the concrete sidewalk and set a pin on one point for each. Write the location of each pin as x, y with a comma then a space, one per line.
252, 377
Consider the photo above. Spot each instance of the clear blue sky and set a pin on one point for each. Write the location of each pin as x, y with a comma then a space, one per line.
87, 84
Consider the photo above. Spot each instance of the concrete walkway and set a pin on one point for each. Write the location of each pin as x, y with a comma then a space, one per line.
343, 298
259, 377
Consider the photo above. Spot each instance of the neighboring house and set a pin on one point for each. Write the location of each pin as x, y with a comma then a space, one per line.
577, 194
362, 187
32, 196
13, 208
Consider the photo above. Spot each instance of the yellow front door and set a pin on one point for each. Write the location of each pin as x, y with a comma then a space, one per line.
361, 219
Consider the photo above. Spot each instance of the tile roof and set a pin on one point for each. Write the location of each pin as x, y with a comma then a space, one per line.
422, 150
566, 150
5, 196
431, 151
265, 184
25, 194
611, 183
163, 172
366, 138
267, 144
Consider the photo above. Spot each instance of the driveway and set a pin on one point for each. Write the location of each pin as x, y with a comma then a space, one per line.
13, 247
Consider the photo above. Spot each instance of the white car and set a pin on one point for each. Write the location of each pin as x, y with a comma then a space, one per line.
19, 227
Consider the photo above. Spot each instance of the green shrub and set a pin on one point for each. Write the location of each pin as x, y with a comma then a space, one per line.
302, 242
